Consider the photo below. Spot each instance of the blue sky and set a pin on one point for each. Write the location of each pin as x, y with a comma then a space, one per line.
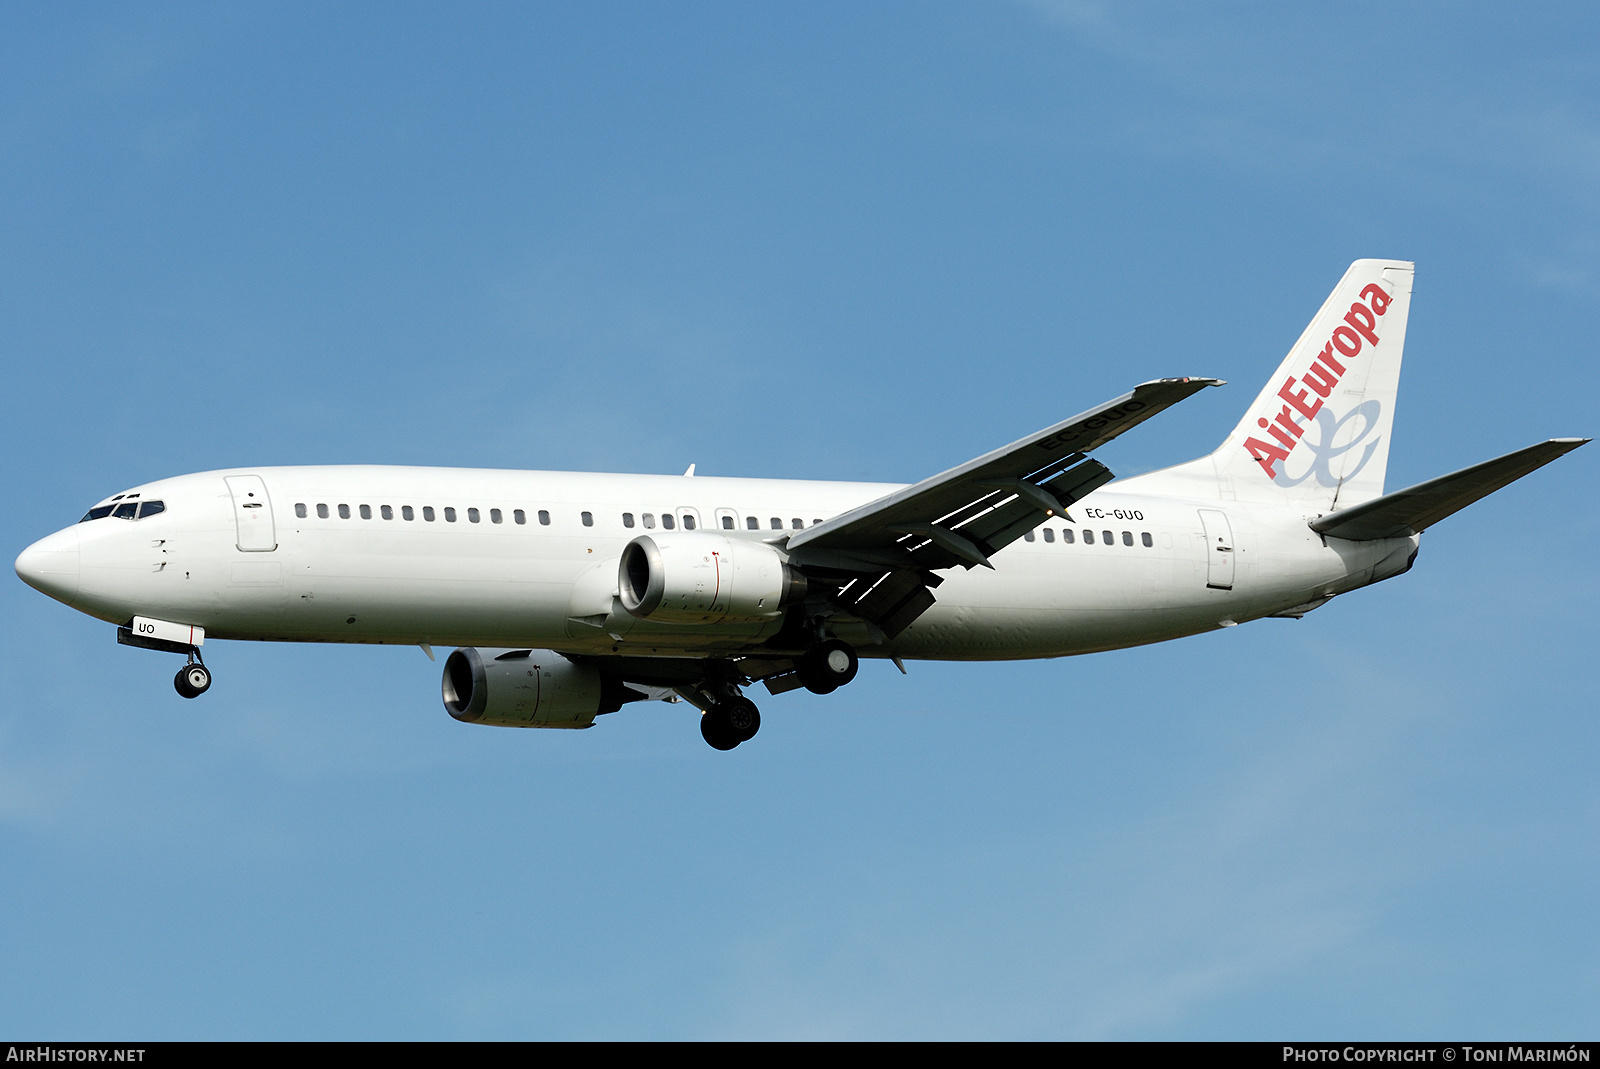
847, 241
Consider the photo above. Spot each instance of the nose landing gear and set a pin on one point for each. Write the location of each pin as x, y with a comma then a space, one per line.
192, 680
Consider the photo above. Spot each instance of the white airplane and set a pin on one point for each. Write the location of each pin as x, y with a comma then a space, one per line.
573, 594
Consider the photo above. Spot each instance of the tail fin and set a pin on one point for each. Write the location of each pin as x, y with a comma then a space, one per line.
1318, 434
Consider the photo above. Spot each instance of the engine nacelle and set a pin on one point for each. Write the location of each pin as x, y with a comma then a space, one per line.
701, 577
527, 689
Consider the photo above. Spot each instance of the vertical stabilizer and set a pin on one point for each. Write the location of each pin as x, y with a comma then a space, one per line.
1318, 435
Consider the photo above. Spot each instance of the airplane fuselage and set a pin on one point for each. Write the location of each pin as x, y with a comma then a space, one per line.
503, 558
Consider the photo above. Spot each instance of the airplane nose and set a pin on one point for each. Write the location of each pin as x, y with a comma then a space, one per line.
50, 565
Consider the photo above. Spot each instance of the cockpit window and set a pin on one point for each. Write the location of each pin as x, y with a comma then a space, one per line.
129, 509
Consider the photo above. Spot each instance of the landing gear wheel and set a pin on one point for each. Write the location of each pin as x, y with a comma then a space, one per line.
827, 666
192, 680
743, 718
717, 734
728, 723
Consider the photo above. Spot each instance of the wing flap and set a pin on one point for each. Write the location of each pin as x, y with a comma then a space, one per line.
879, 560
956, 497
1416, 508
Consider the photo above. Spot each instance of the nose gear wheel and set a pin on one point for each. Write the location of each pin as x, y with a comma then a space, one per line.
192, 680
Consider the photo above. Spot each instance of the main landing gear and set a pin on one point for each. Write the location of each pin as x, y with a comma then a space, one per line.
193, 679
728, 718
730, 722
827, 666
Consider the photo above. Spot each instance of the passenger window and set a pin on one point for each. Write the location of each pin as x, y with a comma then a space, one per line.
752, 524
322, 511
300, 509
150, 508
407, 512
1108, 538
449, 514
777, 524
1066, 536
587, 518
727, 523
344, 512
1127, 538
386, 511
688, 521
1144, 536
1027, 536
799, 524
128, 510
649, 520
472, 515
815, 522
519, 516
366, 512
667, 521
1049, 535
544, 518
427, 513
627, 519
1088, 537
495, 516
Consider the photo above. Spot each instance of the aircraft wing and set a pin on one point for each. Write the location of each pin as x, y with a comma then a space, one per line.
1410, 511
885, 552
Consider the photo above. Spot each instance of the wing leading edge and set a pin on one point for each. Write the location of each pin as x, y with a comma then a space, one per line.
881, 557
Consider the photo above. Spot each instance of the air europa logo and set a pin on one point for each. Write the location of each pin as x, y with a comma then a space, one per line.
1335, 439
1320, 378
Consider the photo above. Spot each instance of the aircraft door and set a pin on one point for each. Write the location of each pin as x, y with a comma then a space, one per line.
1219, 549
252, 512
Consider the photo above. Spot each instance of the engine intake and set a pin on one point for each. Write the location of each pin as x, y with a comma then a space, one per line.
699, 577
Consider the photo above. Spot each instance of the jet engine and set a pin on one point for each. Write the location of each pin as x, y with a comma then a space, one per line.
528, 689
700, 577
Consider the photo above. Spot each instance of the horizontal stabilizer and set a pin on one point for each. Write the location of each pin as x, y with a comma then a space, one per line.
1411, 511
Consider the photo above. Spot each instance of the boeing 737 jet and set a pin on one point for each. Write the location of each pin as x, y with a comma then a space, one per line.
570, 595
